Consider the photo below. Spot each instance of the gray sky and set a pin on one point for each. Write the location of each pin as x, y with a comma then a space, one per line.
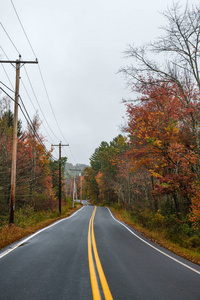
79, 45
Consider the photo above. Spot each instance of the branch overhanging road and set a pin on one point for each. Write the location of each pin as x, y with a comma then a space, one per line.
91, 255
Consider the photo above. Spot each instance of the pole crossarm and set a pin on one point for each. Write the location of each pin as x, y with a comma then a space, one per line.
19, 61
59, 145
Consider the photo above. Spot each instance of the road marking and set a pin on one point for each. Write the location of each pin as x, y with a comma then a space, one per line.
93, 278
162, 252
36, 233
102, 277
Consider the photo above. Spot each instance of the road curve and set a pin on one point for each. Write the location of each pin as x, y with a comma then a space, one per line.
91, 255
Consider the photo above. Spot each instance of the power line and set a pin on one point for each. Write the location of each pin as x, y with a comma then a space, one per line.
31, 123
41, 78
5, 69
72, 155
39, 72
28, 121
7, 94
38, 65
30, 85
9, 38
24, 88
23, 29
5, 54
6, 86
13, 88
7, 75
28, 95
39, 104
35, 110
34, 131
50, 103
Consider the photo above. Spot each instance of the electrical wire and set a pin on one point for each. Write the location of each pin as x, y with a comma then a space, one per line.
7, 94
31, 123
41, 78
14, 92
24, 88
39, 104
7, 75
4, 53
51, 104
9, 38
28, 95
39, 72
5, 69
31, 87
72, 156
28, 121
23, 29
36, 110
7, 87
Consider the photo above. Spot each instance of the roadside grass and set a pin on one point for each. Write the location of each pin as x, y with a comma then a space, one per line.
28, 221
157, 236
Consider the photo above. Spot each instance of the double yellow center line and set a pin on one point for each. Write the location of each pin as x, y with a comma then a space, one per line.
93, 258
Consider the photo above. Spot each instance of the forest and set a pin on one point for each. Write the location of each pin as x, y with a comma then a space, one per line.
37, 177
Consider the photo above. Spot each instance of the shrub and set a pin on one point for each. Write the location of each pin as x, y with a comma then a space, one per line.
157, 221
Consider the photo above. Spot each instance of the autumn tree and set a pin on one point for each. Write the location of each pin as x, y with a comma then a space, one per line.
159, 143
33, 176
6, 132
54, 167
180, 46
100, 165
104, 166
90, 185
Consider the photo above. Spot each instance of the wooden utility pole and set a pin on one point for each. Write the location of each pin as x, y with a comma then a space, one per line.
80, 188
60, 186
18, 62
75, 189
14, 150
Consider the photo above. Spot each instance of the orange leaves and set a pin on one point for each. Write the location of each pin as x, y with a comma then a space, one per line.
163, 142
154, 174
195, 213
155, 130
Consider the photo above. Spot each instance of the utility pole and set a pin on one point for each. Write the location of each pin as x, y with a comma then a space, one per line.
80, 188
60, 190
18, 63
75, 189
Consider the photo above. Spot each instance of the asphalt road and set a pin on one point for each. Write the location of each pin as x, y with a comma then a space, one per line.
91, 255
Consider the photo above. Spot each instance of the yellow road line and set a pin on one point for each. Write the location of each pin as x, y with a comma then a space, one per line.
102, 277
93, 278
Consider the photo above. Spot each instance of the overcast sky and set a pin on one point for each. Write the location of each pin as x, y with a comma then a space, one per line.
79, 45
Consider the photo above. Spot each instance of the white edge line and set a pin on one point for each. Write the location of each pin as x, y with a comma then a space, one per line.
36, 233
169, 256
